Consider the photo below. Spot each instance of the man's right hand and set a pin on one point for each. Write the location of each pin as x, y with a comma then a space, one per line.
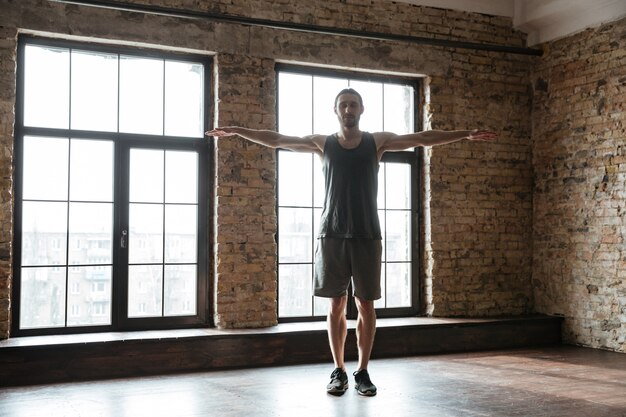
221, 131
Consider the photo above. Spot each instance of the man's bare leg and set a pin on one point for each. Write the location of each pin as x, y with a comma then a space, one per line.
337, 329
365, 330
337, 332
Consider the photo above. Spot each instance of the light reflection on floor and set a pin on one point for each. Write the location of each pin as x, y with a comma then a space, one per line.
550, 382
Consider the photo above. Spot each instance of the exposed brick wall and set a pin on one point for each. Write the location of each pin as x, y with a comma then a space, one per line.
8, 46
481, 193
368, 15
579, 147
245, 204
481, 200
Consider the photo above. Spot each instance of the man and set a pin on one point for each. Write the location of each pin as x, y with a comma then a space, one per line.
349, 240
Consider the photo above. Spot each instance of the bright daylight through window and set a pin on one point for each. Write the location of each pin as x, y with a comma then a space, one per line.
109, 171
305, 106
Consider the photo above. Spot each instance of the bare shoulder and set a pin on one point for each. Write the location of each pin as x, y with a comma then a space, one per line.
381, 138
318, 140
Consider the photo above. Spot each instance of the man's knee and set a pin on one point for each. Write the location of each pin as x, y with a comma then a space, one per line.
365, 307
337, 305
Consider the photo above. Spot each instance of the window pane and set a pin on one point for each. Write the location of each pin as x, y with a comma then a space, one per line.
398, 186
46, 87
145, 290
318, 182
181, 227
399, 109
91, 233
89, 296
42, 297
45, 168
295, 188
44, 233
146, 175
317, 217
184, 112
372, 94
381, 302
382, 218
94, 91
295, 235
180, 290
145, 234
321, 306
325, 90
382, 170
91, 170
295, 290
141, 95
398, 284
295, 110
181, 177
398, 236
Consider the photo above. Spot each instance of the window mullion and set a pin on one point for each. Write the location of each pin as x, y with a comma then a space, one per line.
385, 237
119, 79
69, 112
313, 230
69, 176
312, 197
163, 244
163, 102
67, 228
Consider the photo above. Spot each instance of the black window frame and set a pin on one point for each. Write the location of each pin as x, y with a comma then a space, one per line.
413, 157
123, 142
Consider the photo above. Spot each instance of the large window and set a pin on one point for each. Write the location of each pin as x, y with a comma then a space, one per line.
110, 189
305, 106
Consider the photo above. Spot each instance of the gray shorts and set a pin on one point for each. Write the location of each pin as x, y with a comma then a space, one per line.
339, 260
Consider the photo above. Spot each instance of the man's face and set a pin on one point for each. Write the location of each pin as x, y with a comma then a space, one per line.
348, 110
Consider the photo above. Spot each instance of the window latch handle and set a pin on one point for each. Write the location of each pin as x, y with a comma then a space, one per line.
123, 239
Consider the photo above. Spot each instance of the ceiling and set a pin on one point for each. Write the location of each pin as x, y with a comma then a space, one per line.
542, 20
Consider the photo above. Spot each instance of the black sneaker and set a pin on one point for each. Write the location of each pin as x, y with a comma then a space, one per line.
338, 382
364, 385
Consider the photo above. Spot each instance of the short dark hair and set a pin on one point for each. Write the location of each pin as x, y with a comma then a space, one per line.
349, 91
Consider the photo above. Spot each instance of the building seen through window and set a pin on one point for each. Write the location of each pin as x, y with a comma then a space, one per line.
110, 168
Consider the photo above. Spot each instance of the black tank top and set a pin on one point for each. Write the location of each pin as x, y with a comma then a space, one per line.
351, 179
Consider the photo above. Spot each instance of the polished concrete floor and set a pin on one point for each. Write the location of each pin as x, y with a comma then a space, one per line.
550, 382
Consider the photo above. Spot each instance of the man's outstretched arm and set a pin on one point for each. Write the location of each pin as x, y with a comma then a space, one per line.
272, 139
392, 142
